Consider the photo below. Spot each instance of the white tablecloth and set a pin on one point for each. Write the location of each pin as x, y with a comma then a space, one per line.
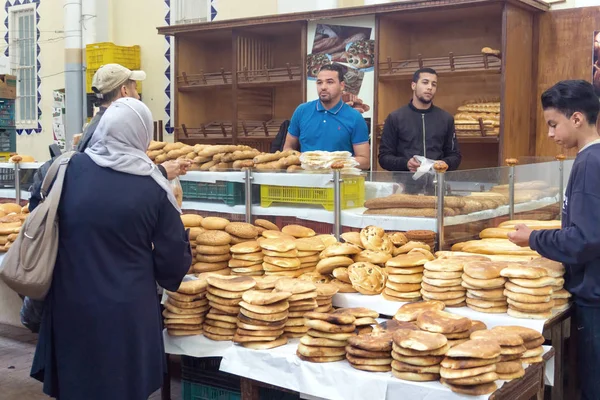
281, 367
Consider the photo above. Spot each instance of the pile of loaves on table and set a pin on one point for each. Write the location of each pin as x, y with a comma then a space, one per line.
413, 205
12, 217
422, 343
206, 157
490, 275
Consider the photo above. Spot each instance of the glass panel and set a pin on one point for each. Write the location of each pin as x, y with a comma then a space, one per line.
472, 204
536, 191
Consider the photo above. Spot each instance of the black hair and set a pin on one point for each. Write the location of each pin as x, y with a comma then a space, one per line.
334, 67
571, 96
420, 71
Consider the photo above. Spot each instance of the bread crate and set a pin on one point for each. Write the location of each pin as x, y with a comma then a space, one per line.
352, 187
231, 193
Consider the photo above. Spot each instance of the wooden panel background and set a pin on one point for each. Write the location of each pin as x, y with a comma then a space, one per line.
565, 52
517, 62
254, 53
286, 99
255, 104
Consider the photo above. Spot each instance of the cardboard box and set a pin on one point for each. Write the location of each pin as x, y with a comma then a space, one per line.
8, 87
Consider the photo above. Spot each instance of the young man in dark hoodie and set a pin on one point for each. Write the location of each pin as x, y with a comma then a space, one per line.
571, 109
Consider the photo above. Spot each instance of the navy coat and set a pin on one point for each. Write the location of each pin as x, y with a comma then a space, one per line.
100, 336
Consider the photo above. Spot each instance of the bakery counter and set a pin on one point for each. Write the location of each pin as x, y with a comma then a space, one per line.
338, 380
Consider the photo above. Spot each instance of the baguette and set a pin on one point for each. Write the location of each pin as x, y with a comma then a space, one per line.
156, 145
239, 164
264, 158
222, 166
273, 165
409, 212
413, 201
290, 160
207, 166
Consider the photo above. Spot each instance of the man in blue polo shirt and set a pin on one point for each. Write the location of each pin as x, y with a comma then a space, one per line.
328, 124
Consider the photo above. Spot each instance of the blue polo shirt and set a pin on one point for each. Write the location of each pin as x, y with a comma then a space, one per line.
337, 129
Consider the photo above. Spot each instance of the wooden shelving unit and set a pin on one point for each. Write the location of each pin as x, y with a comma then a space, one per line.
465, 65
238, 80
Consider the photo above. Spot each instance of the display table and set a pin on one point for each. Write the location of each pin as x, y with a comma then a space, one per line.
281, 367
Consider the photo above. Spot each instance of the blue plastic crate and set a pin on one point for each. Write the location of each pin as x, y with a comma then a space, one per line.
196, 391
7, 113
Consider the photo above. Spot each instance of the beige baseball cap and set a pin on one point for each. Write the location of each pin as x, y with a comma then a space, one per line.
111, 76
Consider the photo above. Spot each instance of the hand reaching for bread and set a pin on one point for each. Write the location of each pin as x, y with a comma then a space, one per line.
176, 168
520, 236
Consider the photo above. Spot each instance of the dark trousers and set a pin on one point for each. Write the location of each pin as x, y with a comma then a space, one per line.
587, 320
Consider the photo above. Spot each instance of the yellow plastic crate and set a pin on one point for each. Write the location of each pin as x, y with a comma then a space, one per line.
352, 187
90, 76
98, 54
5, 156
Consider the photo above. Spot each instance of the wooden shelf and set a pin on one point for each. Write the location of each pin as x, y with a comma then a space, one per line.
259, 128
203, 80
214, 129
466, 65
478, 139
291, 74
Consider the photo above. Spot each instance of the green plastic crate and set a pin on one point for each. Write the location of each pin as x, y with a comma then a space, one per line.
195, 391
231, 193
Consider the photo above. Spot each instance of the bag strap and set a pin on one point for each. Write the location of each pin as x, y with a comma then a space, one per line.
63, 159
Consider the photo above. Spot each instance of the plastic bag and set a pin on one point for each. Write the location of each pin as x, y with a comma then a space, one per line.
426, 167
177, 191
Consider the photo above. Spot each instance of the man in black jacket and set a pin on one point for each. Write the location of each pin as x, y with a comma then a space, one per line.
419, 128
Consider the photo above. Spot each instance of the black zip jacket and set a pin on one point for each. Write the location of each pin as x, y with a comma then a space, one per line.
409, 131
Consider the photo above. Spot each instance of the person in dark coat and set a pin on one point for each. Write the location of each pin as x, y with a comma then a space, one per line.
120, 233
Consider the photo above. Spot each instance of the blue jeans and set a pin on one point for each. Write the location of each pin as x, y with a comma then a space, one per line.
587, 320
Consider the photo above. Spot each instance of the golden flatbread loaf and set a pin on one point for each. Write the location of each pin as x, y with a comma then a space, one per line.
213, 238
193, 286
553, 268
375, 257
536, 291
298, 231
191, 220
251, 246
374, 238
327, 265
410, 312
266, 224
280, 245
471, 390
340, 249
484, 269
504, 338
294, 286
445, 265
465, 362
367, 278
411, 245
522, 271
407, 260
480, 348
231, 284
352, 238
276, 234
312, 244
419, 340
442, 322
214, 223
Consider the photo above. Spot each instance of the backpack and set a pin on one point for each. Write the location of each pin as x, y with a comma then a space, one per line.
279, 141
28, 266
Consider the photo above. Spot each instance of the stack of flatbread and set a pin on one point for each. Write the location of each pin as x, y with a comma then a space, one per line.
328, 336
405, 274
453, 326
370, 352
246, 259
442, 280
262, 319
470, 367
417, 355
224, 297
485, 286
532, 341
365, 318
280, 257
529, 291
555, 270
324, 161
511, 351
185, 310
302, 301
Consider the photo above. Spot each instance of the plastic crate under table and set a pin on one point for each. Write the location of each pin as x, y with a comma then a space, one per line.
352, 188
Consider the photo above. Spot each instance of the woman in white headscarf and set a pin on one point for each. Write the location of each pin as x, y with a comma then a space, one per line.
120, 232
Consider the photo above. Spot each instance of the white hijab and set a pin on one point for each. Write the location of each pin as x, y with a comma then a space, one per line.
121, 139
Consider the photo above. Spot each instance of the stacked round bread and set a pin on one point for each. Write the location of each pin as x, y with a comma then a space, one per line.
485, 285
367, 278
193, 222
280, 257
241, 232
470, 367
185, 310
316, 346
12, 217
455, 327
378, 258
246, 259
423, 236
308, 253
365, 318
511, 350
532, 341
442, 279
224, 297
262, 319
370, 352
417, 355
302, 300
405, 274
212, 247
298, 231
325, 293
529, 291
409, 246
555, 270
410, 311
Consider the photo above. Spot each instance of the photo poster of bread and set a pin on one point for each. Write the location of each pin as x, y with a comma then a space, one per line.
596, 62
349, 42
